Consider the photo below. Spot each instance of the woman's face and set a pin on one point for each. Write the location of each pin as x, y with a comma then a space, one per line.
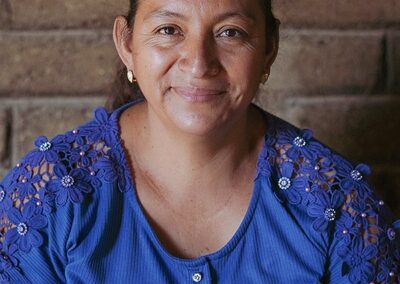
199, 63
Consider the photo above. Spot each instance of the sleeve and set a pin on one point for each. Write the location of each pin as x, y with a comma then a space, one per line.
41, 195
366, 246
364, 234
33, 234
38, 202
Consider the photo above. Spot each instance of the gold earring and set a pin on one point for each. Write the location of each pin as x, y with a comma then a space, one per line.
131, 77
264, 78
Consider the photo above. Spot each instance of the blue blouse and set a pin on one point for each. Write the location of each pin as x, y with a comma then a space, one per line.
70, 214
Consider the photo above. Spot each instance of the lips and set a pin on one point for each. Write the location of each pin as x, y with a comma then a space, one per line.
193, 94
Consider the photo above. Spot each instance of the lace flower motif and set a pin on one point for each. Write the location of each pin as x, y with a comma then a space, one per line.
290, 187
345, 229
387, 266
302, 144
357, 260
69, 185
25, 184
25, 233
325, 209
47, 150
110, 169
364, 212
102, 128
354, 178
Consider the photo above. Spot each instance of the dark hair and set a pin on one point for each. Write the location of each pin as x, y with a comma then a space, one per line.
122, 90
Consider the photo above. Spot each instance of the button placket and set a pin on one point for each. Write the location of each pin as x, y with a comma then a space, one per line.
199, 274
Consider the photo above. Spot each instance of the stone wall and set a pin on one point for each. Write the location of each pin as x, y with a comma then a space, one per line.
337, 72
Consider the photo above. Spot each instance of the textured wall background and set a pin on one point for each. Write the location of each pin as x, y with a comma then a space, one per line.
337, 72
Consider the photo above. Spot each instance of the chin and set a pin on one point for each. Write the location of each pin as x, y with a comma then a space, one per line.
197, 124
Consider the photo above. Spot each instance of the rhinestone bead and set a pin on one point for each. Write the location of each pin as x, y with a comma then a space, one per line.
24, 180
284, 183
363, 215
2, 195
92, 173
317, 168
391, 274
22, 229
45, 146
18, 165
39, 203
356, 175
330, 214
299, 142
75, 131
67, 181
381, 203
81, 153
345, 232
308, 189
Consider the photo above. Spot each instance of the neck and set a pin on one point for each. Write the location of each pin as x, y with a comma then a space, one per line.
188, 166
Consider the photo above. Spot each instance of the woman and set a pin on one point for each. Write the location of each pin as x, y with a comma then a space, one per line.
193, 183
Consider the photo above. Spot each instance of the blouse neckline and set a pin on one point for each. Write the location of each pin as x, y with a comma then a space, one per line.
139, 210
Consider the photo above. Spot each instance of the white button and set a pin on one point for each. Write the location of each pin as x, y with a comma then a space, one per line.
196, 277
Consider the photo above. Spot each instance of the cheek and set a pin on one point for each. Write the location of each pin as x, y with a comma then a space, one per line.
244, 73
154, 62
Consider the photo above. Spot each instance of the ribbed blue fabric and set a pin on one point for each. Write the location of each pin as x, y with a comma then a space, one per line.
106, 238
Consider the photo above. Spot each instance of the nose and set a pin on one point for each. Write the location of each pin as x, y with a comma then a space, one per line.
199, 57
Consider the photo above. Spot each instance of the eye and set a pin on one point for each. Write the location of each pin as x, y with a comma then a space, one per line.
231, 33
168, 30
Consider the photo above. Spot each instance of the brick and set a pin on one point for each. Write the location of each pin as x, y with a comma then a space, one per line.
56, 62
4, 134
49, 120
362, 128
5, 14
319, 62
338, 13
394, 61
57, 14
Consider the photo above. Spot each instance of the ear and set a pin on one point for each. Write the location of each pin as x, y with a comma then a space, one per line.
273, 51
122, 40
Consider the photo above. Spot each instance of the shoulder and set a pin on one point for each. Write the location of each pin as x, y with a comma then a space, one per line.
58, 171
335, 194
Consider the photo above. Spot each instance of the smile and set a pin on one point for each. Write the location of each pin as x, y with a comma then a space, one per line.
197, 95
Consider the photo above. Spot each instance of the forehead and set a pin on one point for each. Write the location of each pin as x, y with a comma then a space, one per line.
252, 9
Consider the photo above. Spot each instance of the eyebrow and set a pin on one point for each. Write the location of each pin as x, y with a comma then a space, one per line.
230, 14
164, 14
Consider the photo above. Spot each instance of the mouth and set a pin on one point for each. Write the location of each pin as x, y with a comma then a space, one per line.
197, 95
